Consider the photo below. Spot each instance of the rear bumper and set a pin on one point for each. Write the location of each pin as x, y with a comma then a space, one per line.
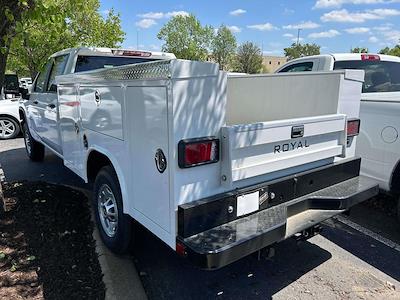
225, 243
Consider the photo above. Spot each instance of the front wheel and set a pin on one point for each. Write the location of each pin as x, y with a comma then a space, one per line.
9, 128
398, 209
115, 227
34, 149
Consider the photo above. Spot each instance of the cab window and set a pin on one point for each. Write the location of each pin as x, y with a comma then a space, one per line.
380, 76
57, 68
300, 67
40, 81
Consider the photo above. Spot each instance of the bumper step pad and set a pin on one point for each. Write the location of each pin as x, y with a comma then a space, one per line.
221, 245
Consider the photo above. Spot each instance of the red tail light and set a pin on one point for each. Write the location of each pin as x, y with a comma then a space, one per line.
353, 127
131, 53
370, 57
180, 249
196, 152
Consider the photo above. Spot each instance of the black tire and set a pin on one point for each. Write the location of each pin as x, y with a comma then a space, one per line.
398, 209
9, 128
120, 241
34, 149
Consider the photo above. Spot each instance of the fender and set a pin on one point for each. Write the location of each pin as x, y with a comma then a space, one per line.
117, 169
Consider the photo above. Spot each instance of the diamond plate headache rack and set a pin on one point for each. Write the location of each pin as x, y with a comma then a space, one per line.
151, 70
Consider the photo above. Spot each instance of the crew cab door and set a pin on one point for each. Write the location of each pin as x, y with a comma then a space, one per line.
42, 106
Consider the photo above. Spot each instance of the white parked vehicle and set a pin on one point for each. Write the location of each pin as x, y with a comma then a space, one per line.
379, 140
217, 167
9, 108
25, 82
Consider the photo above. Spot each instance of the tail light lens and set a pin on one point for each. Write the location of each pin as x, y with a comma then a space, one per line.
353, 127
370, 57
199, 151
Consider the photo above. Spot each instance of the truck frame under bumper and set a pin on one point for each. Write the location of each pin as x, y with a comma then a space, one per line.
211, 243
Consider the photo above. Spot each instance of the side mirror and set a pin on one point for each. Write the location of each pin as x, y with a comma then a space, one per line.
24, 93
53, 88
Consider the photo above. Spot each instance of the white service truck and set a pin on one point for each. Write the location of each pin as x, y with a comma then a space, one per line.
217, 167
379, 142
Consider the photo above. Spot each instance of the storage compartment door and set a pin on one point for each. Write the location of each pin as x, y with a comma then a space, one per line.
71, 136
147, 135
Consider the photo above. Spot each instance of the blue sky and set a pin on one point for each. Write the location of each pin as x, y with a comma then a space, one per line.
336, 25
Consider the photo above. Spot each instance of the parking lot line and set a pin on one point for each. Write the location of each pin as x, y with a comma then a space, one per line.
369, 233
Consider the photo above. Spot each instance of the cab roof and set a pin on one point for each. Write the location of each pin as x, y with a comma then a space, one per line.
100, 51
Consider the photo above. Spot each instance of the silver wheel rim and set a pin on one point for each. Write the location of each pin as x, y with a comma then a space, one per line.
7, 128
27, 139
107, 210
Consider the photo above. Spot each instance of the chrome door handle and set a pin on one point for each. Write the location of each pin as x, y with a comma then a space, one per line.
35, 102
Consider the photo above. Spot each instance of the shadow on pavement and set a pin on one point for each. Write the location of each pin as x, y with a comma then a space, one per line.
17, 166
165, 275
364, 247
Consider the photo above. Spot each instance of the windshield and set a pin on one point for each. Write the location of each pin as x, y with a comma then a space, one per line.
88, 63
380, 76
11, 82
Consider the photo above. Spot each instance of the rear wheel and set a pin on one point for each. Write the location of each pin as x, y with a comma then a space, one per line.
34, 149
9, 128
115, 227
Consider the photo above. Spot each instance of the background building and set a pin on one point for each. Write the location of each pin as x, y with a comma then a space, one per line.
272, 63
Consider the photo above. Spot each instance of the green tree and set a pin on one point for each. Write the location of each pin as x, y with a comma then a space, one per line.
11, 13
57, 25
249, 58
300, 50
395, 51
186, 38
223, 47
359, 50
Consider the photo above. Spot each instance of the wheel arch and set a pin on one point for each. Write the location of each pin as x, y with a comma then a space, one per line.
11, 117
98, 158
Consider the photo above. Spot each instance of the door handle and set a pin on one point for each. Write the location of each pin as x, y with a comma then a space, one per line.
35, 102
51, 106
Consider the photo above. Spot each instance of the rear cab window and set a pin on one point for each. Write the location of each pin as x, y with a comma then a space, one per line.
88, 63
380, 76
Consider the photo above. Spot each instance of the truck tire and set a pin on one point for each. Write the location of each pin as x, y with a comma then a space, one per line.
115, 227
398, 209
9, 128
34, 149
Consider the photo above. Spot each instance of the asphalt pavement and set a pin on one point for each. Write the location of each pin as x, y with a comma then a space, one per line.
354, 258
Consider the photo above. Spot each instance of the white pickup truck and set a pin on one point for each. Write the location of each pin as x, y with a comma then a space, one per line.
379, 142
217, 167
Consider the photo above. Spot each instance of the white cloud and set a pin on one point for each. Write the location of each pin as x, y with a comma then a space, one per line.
324, 34
288, 35
373, 39
340, 3
152, 15
237, 12
105, 12
176, 13
146, 23
392, 36
383, 27
262, 27
288, 11
302, 25
234, 29
357, 30
161, 15
344, 16
295, 39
